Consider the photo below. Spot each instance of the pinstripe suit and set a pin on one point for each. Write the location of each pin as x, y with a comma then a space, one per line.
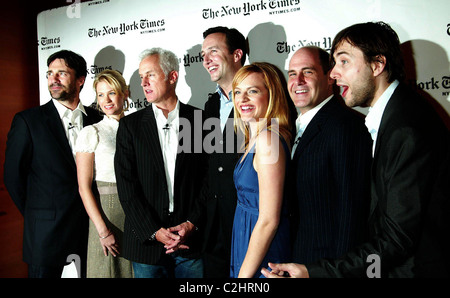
329, 178
142, 186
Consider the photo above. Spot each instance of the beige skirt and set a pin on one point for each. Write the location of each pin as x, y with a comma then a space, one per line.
99, 265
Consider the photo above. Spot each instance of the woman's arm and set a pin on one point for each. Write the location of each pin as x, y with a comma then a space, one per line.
85, 172
269, 163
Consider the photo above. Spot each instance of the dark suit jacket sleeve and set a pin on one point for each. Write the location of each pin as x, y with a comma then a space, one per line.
17, 160
130, 191
402, 190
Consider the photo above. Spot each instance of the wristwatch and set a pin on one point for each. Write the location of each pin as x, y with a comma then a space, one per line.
153, 236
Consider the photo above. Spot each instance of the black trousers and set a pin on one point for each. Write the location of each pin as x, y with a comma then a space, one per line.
35, 271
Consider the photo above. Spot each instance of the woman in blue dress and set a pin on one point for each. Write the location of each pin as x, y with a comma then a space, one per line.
260, 228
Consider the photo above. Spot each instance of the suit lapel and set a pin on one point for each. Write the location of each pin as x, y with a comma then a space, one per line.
183, 114
309, 134
150, 132
228, 133
214, 100
393, 106
53, 122
314, 127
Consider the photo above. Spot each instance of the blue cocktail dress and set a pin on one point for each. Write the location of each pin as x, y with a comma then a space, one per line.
246, 215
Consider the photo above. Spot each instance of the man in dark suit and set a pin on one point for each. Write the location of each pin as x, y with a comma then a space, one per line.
159, 170
40, 170
330, 169
409, 211
224, 52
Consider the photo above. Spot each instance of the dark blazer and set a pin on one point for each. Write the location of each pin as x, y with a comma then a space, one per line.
409, 213
41, 177
142, 186
219, 193
330, 174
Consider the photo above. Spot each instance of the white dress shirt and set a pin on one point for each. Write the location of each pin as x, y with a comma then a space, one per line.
168, 129
303, 120
373, 118
72, 121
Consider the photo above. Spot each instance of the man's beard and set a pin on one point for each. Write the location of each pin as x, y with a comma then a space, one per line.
63, 95
364, 97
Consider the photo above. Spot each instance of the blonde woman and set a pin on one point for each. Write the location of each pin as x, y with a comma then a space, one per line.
260, 228
95, 149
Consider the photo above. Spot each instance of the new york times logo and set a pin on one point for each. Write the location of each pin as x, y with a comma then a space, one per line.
248, 8
49, 43
284, 47
95, 69
432, 84
143, 26
192, 59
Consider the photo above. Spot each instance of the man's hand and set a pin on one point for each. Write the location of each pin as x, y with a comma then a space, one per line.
169, 239
182, 231
280, 270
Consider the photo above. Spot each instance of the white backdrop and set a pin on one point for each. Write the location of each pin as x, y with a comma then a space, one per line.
112, 34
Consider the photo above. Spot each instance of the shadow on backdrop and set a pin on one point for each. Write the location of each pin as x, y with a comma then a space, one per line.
429, 60
263, 41
197, 78
107, 58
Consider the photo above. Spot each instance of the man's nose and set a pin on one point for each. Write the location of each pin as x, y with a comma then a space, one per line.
334, 74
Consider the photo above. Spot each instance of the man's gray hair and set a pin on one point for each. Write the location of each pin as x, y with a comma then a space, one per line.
167, 59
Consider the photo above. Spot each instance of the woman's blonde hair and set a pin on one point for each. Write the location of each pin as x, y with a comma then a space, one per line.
114, 79
278, 107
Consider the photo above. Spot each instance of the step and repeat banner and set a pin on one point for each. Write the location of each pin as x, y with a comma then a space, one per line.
110, 34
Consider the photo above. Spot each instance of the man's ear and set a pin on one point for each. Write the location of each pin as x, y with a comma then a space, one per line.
237, 55
173, 77
330, 80
80, 81
332, 84
378, 65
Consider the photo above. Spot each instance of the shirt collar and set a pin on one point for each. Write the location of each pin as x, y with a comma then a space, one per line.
173, 115
304, 119
222, 94
63, 110
373, 118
